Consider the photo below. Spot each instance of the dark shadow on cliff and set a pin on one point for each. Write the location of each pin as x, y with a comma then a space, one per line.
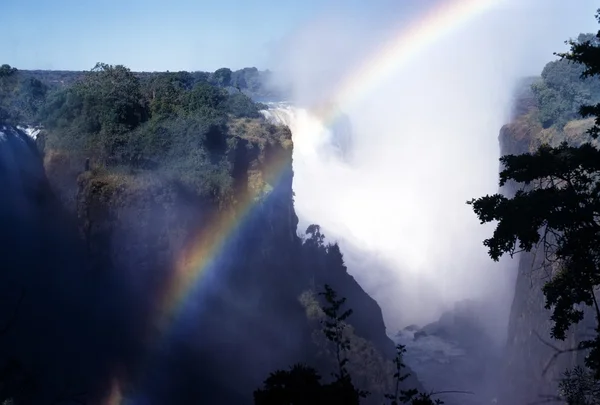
74, 329
93, 287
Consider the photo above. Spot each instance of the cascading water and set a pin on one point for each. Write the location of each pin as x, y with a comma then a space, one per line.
333, 141
21, 168
380, 209
357, 205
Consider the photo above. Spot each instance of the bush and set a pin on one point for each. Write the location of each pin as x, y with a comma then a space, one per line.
561, 91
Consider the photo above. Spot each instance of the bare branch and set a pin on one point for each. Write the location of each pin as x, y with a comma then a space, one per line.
452, 392
547, 399
557, 353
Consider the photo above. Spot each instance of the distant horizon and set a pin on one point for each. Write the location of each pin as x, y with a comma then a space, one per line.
524, 76
151, 36
137, 71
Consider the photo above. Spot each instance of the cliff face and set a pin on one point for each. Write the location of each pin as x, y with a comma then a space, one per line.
53, 309
532, 371
246, 316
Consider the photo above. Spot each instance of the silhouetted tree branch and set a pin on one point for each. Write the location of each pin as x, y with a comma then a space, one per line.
301, 385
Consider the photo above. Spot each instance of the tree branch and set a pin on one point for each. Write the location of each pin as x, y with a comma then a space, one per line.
557, 353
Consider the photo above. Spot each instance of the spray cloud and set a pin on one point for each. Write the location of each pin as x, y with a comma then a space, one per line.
425, 141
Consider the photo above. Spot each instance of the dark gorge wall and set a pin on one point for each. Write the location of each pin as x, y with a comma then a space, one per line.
98, 250
57, 317
532, 369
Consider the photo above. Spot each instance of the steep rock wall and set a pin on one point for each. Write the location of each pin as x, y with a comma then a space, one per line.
246, 319
532, 370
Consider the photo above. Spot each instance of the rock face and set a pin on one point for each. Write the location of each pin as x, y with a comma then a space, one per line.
125, 235
531, 373
52, 309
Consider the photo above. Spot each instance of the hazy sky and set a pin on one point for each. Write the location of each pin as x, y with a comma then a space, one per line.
175, 34
153, 34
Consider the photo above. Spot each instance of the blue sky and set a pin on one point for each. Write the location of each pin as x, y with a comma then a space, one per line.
153, 34
169, 34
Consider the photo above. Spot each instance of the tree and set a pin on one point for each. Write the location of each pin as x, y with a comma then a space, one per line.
334, 326
113, 93
165, 94
207, 100
302, 385
222, 77
586, 51
98, 112
7, 70
558, 211
561, 90
32, 95
315, 238
8, 84
579, 387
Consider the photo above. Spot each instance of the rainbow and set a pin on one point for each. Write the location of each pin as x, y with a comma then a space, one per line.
207, 246
401, 49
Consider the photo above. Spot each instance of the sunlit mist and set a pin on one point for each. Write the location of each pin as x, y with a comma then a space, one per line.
425, 140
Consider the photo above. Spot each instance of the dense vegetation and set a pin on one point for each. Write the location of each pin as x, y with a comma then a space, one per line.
301, 385
558, 209
20, 97
562, 90
178, 123
187, 127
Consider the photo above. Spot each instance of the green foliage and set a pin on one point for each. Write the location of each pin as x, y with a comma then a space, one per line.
20, 96
579, 387
284, 387
98, 112
241, 106
32, 95
586, 52
563, 205
411, 396
165, 93
558, 212
7, 71
562, 89
222, 77
302, 385
207, 100
177, 123
333, 328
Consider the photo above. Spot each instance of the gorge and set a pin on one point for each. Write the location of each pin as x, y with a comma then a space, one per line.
166, 236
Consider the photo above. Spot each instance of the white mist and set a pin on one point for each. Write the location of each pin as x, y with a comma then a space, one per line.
425, 142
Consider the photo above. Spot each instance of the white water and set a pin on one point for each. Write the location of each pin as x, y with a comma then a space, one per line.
32, 132
387, 206
425, 140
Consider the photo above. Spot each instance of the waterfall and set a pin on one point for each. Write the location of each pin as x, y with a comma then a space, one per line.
312, 137
21, 167
395, 202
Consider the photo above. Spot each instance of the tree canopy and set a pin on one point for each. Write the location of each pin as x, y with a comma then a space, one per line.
176, 122
302, 385
562, 89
